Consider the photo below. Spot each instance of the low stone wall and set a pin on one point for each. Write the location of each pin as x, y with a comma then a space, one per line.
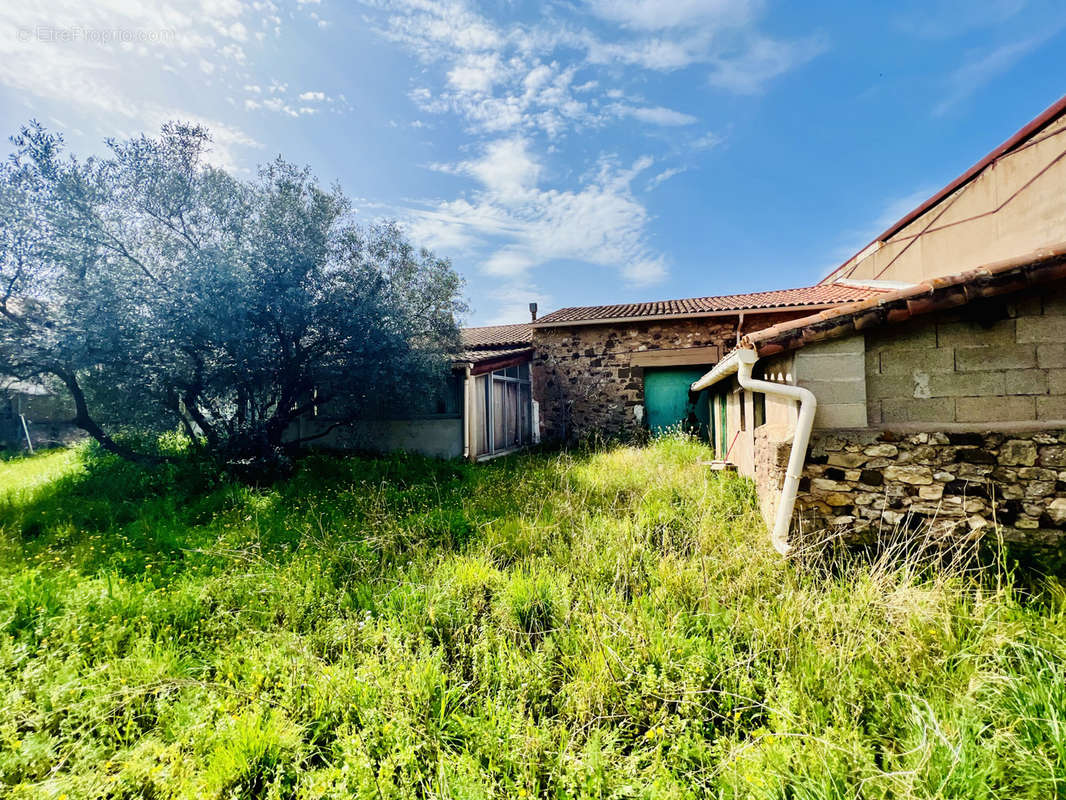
954, 483
857, 483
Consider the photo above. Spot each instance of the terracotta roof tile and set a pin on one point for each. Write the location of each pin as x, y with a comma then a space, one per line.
497, 336
935, 294
478, 356
782, 298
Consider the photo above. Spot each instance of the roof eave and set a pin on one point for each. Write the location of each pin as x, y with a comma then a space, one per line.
692, 315
936, 294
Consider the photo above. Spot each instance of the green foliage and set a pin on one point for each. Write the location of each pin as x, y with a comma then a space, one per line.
162, 293
606, 624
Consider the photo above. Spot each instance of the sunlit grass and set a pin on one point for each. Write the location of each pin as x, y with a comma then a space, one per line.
599, 624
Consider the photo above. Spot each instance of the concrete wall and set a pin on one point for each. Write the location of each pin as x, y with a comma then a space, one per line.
991, 364
957, 410
1014, 207
439, 438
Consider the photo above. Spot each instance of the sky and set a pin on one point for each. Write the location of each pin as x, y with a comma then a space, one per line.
569, 152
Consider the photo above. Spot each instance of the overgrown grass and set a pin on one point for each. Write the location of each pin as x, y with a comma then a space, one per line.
609, 624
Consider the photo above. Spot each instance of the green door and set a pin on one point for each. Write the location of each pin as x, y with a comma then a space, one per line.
669, 403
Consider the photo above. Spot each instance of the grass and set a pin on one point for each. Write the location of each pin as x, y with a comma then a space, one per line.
606, 624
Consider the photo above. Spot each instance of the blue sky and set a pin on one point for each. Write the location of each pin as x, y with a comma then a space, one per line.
567, 152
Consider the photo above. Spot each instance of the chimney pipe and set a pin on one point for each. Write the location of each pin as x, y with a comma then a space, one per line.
533, 311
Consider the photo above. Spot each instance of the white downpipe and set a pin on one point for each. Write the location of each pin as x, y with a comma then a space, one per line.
466, 412
741, 363
800, 439
26, 430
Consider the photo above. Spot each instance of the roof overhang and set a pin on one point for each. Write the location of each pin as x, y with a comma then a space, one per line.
937, 294
688, 315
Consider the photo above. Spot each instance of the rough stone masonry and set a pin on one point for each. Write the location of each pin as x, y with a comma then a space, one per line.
865, 481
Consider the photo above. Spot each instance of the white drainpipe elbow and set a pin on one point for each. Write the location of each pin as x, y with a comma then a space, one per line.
466, 412
801, 438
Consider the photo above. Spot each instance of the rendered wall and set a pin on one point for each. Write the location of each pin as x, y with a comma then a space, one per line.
439, 438
1015, 206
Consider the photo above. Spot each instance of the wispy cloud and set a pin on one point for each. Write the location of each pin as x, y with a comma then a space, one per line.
514, 224
663, 177
983, 66
521, 90
87, 56
760, 60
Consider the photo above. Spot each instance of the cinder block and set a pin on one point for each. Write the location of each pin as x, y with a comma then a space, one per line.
881, 386
1055, 305
915, 337
1051, 407
1028, 305
845, 344
873, 412
828, 367
1048, 328
899, 361
873, 361
935, 409
980, 359
1056, 381
967, 384
970, 334
842, 415
1051, 355
995, 409
1026, 381
844, 391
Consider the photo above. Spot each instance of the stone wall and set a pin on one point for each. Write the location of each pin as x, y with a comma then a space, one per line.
993, 362
954, 482
586, 382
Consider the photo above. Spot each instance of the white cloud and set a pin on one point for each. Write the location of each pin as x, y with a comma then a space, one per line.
663, 177
665, 117
707, 141
658, 15
306, 96
518, 226
761, 60
476, 73
984, 66
65, 52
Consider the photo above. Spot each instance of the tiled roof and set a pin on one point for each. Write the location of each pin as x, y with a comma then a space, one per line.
695, 306
935, 294
497, 336
479, 356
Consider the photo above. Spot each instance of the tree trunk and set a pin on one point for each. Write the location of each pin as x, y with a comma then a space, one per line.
84, 421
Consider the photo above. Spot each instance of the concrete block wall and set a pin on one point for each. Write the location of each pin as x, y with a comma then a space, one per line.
993, 363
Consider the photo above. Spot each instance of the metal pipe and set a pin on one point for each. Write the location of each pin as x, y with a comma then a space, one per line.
466, 411
740, 362
26, 430
801, 437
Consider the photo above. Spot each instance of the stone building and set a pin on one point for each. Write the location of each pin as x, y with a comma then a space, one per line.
939, 403
616, 370
940, 406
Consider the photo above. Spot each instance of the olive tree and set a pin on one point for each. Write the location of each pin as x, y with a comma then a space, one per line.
165, 293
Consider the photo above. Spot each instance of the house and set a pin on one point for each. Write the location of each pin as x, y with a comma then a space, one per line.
484, 408
939, 402
32, 412
620, 369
